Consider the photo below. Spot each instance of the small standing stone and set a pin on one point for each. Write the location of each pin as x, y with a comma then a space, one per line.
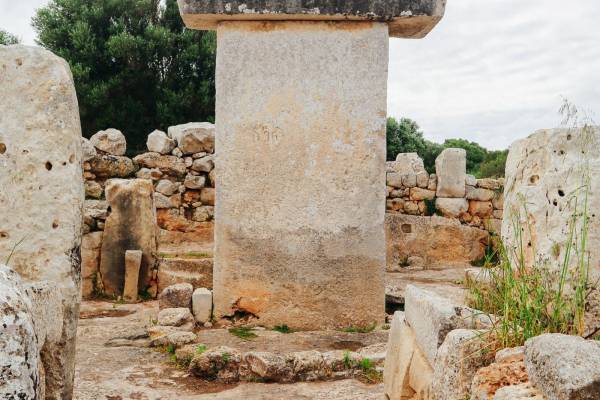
133, 261
451, 172
202, 304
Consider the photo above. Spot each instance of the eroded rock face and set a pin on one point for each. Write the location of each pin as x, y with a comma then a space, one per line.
176, 296
131, 225
546, 172
19, 351
436, 240
564, 367
159, 142
40, 162
194, 137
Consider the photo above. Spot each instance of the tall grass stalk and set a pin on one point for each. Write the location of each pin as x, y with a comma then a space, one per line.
529, 300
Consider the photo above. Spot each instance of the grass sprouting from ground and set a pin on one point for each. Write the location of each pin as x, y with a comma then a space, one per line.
243, 333
191, 254
282, 329
360, 329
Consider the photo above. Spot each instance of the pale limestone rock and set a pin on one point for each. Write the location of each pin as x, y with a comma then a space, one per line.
162, 201
271, 367
176, 296
177, 339
400, 349
470, 180
175, 316
207, 196
204, 164
166, 187
88, 150
420, 375
193, 137
109, 166
202, 304
408, 163
523, 391
507, 370
133, 262
451, 208
19, 349
93, 189
159, 142
450, 169
482, 209
91, 244
194, 181
409, 180
203, 213
110, 141
432, 185
456, 361
436, 240
394, 179
564, 367
432, 317
423, 180
221, 364
169, 165
489, 183
546, 170
40, 134
130, 225
480, 194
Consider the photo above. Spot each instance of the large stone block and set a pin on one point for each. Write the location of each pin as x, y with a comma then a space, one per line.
299, 237
544, 175
438, 241
411, 19
131, 225
564, 367
41, 190
399, 353
194, 137
451, 172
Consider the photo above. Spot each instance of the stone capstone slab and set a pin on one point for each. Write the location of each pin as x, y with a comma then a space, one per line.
41, 190
131, 225
563, 366
405, 18
315, 257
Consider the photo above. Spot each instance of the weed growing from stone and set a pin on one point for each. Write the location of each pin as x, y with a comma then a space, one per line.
243, 333
200, 349
225, 357
348, 362
282, 329
360, 329
171, 348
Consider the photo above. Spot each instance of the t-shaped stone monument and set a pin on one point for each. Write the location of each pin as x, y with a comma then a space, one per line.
300, 145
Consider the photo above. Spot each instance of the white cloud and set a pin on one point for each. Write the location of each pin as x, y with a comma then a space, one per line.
492, 70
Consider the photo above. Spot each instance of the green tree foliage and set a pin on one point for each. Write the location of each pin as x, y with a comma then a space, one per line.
135, 66
7, 38
405, 136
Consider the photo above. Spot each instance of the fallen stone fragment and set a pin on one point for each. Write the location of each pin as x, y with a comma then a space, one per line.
110, 141
221, 363
109, 166
563, 366
194, 137
169, 165
175, 316
266, 366
176, 296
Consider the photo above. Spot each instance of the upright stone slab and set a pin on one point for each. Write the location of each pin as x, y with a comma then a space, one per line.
41, 191
299, 237
133, 262
545, 175
451, 172
130, 225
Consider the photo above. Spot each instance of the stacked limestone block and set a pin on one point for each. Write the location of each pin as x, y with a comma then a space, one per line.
450, 192
180, 165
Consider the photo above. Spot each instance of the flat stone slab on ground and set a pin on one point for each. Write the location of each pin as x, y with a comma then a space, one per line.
443, 282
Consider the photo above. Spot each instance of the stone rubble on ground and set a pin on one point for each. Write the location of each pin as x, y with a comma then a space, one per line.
176, 296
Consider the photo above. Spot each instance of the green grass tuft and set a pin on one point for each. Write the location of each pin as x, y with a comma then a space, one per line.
360, 329
282, 329
243, 333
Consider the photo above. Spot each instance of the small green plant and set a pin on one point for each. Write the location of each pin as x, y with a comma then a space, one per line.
385, 327
171, 348
365, 364
282, 328
145, 294
360, 329
226, 357
200, 349
12, 251
243, 333
348, 361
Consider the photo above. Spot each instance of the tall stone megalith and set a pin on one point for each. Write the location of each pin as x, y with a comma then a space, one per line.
300, 146
41, 193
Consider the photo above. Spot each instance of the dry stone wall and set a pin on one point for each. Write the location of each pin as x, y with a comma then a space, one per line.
450, 192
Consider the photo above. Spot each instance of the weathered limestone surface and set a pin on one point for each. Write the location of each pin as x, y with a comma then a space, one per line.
19, 352
202, 304
41, 190
450, 169
131, 225
300, 237
438, 241
400, 349
546, 170
564, 367
410, 19
111, 141
133, 262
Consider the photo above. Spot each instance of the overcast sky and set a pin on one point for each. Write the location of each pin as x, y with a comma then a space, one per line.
492, 71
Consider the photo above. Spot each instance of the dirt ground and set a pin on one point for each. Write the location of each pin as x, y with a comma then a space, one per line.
128, 372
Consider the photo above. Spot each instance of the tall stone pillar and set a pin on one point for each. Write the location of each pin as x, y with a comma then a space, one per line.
300, 146
41, 196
